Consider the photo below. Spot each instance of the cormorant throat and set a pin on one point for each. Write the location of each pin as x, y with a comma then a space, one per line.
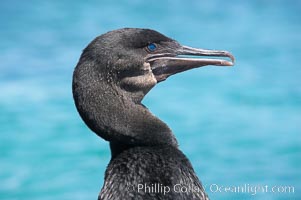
115, 72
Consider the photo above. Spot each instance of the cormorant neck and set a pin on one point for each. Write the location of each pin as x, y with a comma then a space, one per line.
117, 148
112, 114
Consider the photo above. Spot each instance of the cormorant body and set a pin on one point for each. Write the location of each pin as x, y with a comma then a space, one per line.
114, 73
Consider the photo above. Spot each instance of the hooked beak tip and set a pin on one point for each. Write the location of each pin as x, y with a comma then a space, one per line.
228, 54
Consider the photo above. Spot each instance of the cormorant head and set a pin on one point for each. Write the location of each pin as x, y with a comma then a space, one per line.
137, 59
115, 72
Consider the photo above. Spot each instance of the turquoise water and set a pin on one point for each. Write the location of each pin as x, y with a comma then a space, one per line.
237, 125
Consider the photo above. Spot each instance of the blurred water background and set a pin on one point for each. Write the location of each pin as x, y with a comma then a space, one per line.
237, 125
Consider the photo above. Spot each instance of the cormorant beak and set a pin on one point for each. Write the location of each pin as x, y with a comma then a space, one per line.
185, 58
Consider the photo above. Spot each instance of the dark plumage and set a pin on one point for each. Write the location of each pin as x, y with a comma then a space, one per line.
114, 73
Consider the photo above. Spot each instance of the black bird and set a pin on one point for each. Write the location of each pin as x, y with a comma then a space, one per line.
114, 73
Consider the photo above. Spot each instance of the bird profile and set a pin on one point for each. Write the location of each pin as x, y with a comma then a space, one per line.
113, 75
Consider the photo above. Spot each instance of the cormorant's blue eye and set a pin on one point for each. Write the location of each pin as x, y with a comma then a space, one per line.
151, 47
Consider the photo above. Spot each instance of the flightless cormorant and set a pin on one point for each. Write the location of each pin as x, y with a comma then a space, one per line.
114, 73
